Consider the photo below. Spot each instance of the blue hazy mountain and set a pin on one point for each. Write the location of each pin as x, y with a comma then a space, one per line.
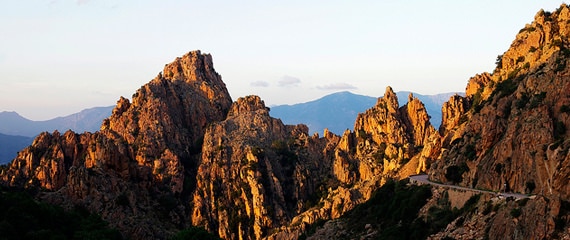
10, 145
17, 132
88, 120
338, 111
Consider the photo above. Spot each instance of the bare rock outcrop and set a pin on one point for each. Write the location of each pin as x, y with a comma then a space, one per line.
389, 136
514, 135
255, 174
131, 170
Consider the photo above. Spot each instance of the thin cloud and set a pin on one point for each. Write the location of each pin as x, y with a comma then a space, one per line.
288, 81
82, 2
259, 84
336, 86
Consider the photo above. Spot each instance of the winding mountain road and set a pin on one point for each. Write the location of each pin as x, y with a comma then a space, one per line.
423, 178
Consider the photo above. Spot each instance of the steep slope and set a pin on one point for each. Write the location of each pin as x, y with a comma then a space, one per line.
133, 171
181, 154
511, 134
256, 174
388, 142
88, 120
511, 130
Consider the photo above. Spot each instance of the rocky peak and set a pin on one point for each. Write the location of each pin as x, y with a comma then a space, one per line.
149, 146
388, 123
193, 66
534, 46
477, 83
416, 119
511, 131
248, 104
174, 108
452, 113
390, 99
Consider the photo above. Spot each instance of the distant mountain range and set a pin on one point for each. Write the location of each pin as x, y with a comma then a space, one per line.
12, 123
17, 132
10, 145
338, 111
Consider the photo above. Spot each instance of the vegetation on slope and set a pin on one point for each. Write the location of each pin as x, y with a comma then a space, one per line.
24, 218
394, 212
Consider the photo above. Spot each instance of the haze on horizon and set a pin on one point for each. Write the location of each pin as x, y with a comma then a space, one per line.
59, 57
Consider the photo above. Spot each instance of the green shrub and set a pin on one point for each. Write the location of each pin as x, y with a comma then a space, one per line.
452, 174
24, 218
516, 212
559, 130
470, 152
530, 186
521, 103
499, 61
537, 99
194, 233
394, 208
506, 87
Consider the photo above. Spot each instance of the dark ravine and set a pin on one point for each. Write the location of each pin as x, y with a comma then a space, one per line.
183, 154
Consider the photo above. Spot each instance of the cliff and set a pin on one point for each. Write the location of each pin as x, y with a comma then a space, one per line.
511, 130
181, 154
510, 133
137, 170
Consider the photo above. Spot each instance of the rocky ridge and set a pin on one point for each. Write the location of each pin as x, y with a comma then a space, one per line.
511, 130
510, 133
134, 171
182, 154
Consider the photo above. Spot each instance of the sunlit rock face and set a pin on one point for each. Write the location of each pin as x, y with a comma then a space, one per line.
139, 164
511, 129
181, 153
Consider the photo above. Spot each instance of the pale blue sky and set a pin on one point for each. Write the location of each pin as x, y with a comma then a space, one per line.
58, 57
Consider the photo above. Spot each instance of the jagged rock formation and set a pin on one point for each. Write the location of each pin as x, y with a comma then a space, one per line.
255, 173
515, 133
393, 136
135, 170
511, 134
181, 153
388, 142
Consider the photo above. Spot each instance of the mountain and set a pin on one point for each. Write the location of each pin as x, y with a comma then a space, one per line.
88, 120
511, 132
10, 145
433, 103
182, 156
338, 111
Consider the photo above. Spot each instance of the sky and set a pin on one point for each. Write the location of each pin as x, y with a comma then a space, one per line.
58, 57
